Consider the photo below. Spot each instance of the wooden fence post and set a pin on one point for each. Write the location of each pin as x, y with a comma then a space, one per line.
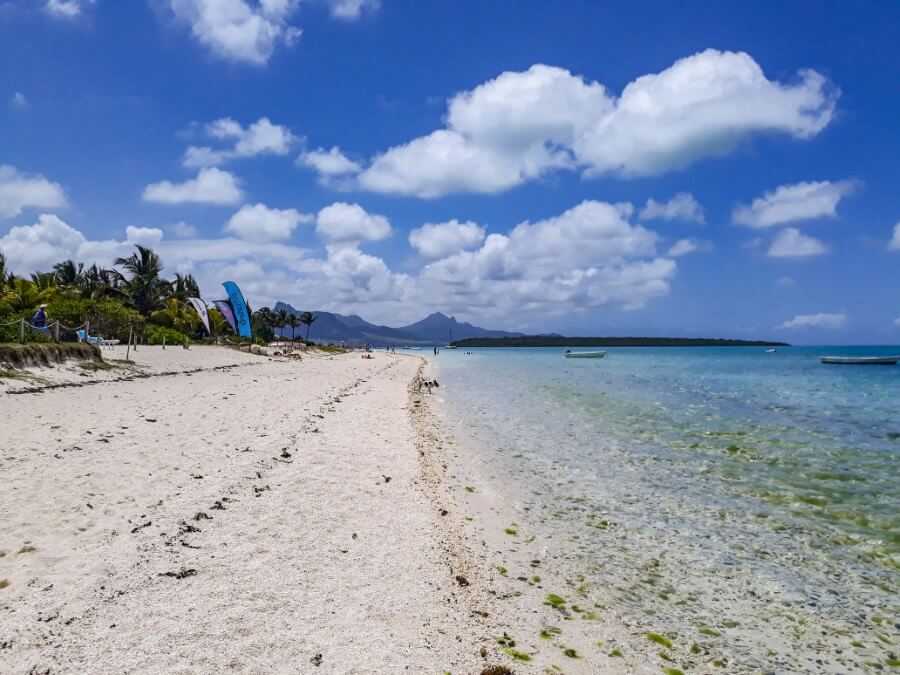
22, 331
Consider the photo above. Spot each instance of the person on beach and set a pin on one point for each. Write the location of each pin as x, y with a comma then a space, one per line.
39, 318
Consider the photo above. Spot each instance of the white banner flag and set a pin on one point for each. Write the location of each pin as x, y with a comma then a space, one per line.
202, 311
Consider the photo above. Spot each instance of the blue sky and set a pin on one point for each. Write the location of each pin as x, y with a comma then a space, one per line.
483, 159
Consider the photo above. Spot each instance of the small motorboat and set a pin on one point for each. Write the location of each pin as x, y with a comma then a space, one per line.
861, 360
584, 355
771, 351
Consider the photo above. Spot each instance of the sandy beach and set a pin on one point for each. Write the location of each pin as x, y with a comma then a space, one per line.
234, 513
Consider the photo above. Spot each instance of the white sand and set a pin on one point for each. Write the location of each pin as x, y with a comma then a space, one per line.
316, 562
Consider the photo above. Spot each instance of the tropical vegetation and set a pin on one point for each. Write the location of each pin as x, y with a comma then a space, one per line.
131, 296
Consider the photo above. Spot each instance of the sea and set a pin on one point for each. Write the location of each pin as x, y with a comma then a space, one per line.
731, 495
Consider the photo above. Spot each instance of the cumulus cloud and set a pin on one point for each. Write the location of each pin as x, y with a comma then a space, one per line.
822, 320
20, 191
683, 247
66, 9
522, 125
183, 230
683, 206
261, 223
351, 10
329, 163
260, 138
438, 240
350, 223
894, 244
793, 203
243, 31
791, 243
147, 236
211, 186
589, 256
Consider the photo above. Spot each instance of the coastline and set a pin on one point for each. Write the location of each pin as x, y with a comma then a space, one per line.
271, 517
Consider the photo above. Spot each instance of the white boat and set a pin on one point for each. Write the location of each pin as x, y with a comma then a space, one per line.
585, 355
862, 360
770, 351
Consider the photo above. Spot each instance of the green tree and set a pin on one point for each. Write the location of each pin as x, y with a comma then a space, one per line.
184, 287
22, 295
146, 288
68, 273
308, 319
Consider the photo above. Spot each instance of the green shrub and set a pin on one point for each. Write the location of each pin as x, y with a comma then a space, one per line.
154, 335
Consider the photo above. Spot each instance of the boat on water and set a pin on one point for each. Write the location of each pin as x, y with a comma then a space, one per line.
861, 360
771, 351
584, 355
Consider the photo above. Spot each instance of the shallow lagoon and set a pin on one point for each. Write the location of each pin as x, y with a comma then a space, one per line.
708, 490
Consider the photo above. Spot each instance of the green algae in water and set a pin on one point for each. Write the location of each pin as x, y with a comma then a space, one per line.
730, 623
516, 654
709, 631
555, 601
673, 671
659, 639
535, 579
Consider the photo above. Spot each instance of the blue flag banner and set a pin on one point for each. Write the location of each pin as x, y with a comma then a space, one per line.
240, 309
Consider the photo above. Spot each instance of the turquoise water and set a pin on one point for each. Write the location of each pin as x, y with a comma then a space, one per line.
709, 459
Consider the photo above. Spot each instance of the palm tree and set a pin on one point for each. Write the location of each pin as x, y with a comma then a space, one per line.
281, 319
184, 287
146, 288
308, 318
293, 322
4, 273
44, 280
68, 273
97, 283
22, 295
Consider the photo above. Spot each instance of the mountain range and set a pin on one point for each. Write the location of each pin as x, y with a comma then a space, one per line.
434, 329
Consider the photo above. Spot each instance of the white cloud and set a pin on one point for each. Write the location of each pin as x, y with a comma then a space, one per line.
30, 248
211, 186
66, 9
791, 243
350, 223
522, 125
586, 257
244, 31
18, 101
792, 203
438, 240
894, 245
20, 191
182, 230
147, 236
683, 247
683, 206
897, 322
261, 223
260, 138
329, 163
822, 320
351, 10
